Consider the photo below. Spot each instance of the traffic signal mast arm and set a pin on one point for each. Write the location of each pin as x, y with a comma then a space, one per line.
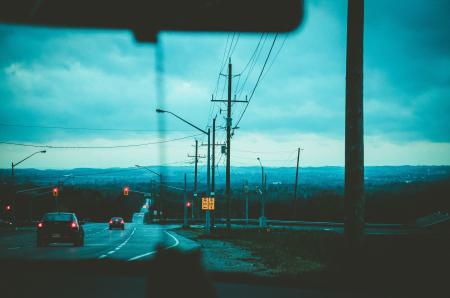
33, 189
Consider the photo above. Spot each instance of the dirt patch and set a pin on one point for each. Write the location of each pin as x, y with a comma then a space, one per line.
224, 256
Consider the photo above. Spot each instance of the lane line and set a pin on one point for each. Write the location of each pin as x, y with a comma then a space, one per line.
153, 252
11, 248
118, 246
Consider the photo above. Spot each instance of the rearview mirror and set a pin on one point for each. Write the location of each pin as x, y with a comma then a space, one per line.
147, 18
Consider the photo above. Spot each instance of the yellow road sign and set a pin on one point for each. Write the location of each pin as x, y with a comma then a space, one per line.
207, 203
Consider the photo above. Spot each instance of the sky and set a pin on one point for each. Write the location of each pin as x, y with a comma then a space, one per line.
97, 88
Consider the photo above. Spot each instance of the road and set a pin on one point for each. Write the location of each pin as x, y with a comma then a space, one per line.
136, 242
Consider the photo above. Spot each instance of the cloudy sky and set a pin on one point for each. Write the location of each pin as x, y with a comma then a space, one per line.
87, 88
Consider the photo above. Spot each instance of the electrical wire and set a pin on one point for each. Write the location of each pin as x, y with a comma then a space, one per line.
258, 80
86, 128
96, 147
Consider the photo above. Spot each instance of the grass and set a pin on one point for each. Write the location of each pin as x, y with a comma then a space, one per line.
285, 252
401, 262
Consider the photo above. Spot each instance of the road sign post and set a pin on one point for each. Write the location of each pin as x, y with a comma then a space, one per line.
208, 204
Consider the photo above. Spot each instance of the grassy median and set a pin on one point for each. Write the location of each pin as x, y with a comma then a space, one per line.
284, 252
322, 258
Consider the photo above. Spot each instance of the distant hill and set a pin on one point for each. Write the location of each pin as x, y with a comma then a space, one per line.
329, 176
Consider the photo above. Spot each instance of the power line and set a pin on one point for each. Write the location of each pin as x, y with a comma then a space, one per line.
252, 61
275, 57
268, 152
84, 128
253, 54
258, 80
234, 48
97, 147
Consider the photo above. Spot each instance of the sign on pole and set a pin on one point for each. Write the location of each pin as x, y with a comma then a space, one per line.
207, 203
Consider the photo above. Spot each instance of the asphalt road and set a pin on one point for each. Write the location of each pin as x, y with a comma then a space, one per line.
136, 242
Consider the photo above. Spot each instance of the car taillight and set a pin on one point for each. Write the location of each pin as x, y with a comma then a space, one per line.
110, 221
73, 225
40, 225
122, 222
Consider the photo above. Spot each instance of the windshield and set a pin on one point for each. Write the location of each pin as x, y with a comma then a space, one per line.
273, 154
58, 217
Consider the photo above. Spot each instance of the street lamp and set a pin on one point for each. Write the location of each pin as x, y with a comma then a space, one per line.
201, 130
208, 185
160, 184
262, 219
13, 165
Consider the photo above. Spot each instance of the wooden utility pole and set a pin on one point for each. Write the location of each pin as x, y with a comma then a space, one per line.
296, 174
294, 202
228, 144
213, 157
228, 186
354, 133
195, 178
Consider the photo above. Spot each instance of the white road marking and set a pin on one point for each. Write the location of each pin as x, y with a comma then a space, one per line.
118, 246
153, 252
11, 248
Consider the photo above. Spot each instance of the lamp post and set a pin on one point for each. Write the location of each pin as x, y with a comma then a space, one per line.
208, 133
160, 185
13, 165
262, 218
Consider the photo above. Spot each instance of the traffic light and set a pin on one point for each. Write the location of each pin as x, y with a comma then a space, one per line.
125, 191
55, 192
188, 204
8, 207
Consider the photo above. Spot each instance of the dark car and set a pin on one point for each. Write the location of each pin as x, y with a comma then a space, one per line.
116, 223
59, 227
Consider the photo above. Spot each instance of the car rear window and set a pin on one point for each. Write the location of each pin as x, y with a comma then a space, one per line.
58, 217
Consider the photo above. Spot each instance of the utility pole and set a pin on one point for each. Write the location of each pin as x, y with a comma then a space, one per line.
265, 192
228, 186
185, 209
196, 161
213, 167
228, 153
354, 126
162, 199
246, 201
195, 179
262, 218
296, 183
196, 156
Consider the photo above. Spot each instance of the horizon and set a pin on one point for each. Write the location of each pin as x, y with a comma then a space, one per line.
202, 169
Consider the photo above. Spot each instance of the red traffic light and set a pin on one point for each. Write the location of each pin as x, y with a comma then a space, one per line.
8, 207
55, 192
125, 191
188, 204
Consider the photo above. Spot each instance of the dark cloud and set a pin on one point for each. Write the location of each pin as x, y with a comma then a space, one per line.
85, 78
